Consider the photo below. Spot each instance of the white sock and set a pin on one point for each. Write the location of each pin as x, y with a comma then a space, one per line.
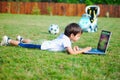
21, 40
9, 40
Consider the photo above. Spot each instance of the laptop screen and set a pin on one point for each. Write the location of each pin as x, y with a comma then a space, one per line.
104, 40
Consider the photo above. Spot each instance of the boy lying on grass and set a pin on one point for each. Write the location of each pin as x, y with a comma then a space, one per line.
63, 42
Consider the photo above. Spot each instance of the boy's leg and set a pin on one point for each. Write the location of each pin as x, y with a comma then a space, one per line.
24, 45
21, 39
35, 46
17, 43
14, 42
26, 41
6, 41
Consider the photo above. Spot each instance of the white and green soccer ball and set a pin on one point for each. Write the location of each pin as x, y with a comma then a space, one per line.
53, 29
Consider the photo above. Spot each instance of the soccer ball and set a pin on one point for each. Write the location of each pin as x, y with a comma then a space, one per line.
53, 29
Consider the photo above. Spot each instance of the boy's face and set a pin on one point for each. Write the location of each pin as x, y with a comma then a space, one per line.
75, 38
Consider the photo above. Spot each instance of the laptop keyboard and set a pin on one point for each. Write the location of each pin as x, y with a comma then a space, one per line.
94, 50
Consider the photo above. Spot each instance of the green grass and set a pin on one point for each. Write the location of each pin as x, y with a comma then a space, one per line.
18, 63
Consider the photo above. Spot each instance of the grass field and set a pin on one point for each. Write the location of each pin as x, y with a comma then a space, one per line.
18, 63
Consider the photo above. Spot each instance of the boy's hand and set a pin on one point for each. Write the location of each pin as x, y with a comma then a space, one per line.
87, 49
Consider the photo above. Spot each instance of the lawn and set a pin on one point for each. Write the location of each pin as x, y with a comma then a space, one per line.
18, 63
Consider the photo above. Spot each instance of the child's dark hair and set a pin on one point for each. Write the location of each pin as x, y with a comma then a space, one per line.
72, 28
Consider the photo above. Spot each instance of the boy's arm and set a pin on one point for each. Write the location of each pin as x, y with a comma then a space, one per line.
75, 50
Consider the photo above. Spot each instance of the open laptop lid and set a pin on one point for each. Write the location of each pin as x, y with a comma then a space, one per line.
104, 40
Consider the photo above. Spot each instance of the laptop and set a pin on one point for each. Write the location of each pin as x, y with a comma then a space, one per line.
102, 44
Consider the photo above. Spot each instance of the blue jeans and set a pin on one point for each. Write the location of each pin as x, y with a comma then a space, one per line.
35, 46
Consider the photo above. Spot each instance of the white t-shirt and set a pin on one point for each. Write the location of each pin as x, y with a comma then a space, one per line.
58, 44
